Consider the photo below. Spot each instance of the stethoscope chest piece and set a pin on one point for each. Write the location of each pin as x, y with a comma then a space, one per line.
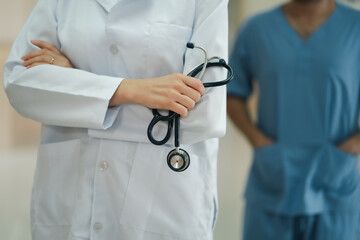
178, 160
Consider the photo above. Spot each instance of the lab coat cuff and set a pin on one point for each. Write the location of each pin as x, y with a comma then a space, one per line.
111, 112
110, 116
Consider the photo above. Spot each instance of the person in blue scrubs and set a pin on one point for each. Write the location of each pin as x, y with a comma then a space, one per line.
304, 181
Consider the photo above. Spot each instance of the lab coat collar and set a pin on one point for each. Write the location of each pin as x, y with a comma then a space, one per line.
107, 4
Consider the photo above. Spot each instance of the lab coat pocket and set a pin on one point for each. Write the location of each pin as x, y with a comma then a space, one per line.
268, 167
340, 171
55, 183
165, 202
166, 49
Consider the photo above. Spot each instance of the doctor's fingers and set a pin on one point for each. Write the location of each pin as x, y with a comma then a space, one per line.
46, 56
36, 64
39, 53
176, 107
182, 99
190, 93
45, 45
43, 59
194, 83
168, 99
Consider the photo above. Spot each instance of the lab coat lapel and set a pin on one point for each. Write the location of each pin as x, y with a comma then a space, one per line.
107, 4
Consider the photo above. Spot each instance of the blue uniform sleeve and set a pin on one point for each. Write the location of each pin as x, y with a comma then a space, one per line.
241, 60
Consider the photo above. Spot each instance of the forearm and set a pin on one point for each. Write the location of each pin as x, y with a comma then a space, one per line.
239, 114
50, 95
175, 92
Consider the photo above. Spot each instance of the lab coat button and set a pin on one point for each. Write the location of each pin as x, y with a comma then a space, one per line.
103, 166
113, 49
98, 227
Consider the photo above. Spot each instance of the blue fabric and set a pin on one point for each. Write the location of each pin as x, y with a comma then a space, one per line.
309, 103
263, 225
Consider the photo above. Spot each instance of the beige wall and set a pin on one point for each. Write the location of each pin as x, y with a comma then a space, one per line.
13, 14
14, 130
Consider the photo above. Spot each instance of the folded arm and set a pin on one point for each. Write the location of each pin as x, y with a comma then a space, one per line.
42, 84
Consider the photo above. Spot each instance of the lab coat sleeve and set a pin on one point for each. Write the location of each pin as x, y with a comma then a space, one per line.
241, 60
208, 118
51, 94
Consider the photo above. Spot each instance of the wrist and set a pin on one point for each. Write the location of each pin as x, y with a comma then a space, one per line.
259, 139
121, 95
261, 142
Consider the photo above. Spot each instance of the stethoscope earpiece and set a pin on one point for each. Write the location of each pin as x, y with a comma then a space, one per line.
190, 45
222, 62
178, 160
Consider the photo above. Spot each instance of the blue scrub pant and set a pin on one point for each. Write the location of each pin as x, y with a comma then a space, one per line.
263, 225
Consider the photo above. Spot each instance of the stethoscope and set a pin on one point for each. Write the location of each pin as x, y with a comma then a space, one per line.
178, 159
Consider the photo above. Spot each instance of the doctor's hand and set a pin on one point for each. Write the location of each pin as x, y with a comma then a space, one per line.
352, 145
48, 54
176, 92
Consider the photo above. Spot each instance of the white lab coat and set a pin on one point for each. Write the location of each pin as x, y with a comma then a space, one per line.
97, 175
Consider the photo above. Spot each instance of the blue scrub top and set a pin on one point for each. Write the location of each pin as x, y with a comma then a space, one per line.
309, 103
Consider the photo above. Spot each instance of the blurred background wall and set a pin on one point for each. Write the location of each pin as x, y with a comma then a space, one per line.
19, 138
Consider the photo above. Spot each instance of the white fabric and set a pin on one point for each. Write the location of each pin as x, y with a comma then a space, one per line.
137, 197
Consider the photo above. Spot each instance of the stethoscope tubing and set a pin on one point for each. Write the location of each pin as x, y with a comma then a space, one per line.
172, 115
221, 63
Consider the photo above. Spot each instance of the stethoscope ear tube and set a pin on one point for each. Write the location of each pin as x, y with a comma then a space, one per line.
220, 63
157, 118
